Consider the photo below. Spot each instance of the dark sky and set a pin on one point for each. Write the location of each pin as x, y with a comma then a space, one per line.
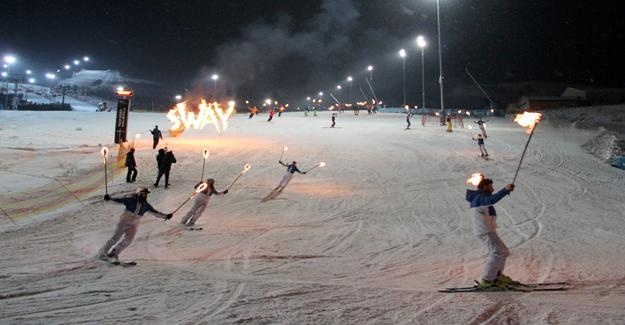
290, 49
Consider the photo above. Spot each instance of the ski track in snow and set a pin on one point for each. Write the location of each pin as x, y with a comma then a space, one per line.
366, 239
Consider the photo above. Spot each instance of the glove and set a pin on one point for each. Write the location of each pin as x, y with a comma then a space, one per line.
168, 216
510, 187
107, 197
225, 192
304, 173
279, 161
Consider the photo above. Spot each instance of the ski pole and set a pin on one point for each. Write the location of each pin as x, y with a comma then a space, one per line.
321, 164
245, 169
205, 154
104, 152
199, 189
284, 149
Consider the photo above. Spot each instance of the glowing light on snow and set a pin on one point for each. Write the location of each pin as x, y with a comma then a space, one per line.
322, 164
246, 168
201, 188
475, 179
205, 154
104, 152
528, 120
207, 113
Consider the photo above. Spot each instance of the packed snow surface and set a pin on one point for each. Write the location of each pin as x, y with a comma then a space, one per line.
367, 239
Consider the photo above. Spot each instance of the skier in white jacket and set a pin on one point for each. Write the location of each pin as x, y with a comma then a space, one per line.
200, 202
485, 228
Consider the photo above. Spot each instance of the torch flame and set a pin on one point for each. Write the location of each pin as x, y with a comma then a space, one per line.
205, 154
201, 188
470, 127
528, 120
183, 119
475, 179
137, 136
285, 148
104, 152
246, 168
321, 164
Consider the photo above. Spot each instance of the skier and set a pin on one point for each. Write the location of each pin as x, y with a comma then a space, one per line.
485, 228
200, 202
136, 206
156, 135
333, 120
164, 160
480, 143
408, 116
482, 127
271, 112
448, 120
131, 176
281, 110
290, 170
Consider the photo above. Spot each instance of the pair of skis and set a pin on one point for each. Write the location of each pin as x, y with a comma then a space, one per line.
522, 287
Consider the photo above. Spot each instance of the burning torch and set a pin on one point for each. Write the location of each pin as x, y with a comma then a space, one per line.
530, 121
284, 149
475, 179
205, 154
321, 164
104, 152
137, 136
245, 169
199, 189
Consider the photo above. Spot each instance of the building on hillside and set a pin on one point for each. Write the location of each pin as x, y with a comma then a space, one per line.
596, 96
538, 103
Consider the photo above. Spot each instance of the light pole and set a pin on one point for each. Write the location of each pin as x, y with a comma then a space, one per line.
421, 43
440, 58
215, 77
350, 79
8, 60
178, 98
402, 54
370, 69
338, 87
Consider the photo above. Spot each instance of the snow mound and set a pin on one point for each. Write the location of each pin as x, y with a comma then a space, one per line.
605, 146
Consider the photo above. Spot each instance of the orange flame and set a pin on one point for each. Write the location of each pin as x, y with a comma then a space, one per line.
475, 179
207, 113
528, 120
201, 188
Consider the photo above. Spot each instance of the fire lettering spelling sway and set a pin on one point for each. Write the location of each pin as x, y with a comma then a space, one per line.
184, 118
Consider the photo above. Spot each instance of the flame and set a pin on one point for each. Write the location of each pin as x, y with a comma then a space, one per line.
205, 154
137, 136
321, 164
183, 118
246, 168
201, 188
475, 179
285, 148
470, 127
528, 120
104, 152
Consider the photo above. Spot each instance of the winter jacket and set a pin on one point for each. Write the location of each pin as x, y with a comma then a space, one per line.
156, 133
160, 159
138, 208
130, 160
485, 216
168, 160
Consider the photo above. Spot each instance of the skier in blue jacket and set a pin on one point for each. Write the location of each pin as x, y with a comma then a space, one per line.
291, 169
136, 206
485, 228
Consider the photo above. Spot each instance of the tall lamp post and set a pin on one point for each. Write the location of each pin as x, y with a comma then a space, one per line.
370, 69
350, 79
421, 43
402, 54
8, 60
440, 58
338, 87
215, 77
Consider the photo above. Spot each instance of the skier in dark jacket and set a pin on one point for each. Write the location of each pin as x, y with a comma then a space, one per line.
408, 116
333, 120
156, 135
136, 206
131, 176
480, 143
485, 228
164, 160
290, 171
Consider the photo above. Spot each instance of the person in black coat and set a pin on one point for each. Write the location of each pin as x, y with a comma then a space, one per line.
164, 160
156, 135
131, 176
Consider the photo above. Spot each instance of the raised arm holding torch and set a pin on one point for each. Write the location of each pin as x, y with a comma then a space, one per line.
321, 164
529, 120
284, 149
104, 152
197, 190
205, 155
245, 169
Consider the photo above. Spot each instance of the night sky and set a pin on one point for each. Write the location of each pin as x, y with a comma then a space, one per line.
291, 49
